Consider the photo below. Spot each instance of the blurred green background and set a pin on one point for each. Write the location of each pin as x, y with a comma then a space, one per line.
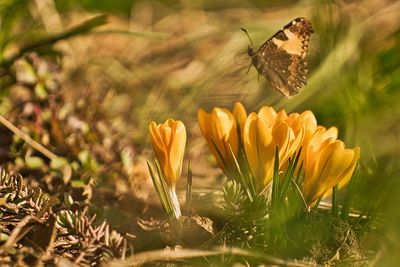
159, 59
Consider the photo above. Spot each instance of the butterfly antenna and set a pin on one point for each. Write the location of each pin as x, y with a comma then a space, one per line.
248, 36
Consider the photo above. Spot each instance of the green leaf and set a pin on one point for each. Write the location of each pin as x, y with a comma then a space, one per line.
34, 162
88, 162
165, 191
289, 175
335, 201
349, 194
3, 237
275, 180
241, 179
58, 163
77, 183
40, 91
68, 200
161, 189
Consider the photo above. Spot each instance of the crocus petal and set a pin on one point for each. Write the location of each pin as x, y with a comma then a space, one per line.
296, 143
224, 133
203, 119
268, 114
250, 145
305, 120
166, 134
292, 118
155, 135
288, 142
349, 171
282, 135
281, 116
260, 148
177, 148
220, 131
239, 112
321, 138
157, 142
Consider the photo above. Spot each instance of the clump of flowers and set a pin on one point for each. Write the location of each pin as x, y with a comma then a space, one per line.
270, 142
278, 165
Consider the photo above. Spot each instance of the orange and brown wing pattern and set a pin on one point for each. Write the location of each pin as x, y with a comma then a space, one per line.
281, 59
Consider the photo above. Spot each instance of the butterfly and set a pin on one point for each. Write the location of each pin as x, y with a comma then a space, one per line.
281, 59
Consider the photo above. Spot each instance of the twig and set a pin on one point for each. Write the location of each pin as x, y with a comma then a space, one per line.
340, 247
163, 255
79, 29
27, 139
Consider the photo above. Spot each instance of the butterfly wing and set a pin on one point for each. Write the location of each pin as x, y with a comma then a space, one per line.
281, 59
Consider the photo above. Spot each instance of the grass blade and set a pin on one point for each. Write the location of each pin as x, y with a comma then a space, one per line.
189, 189
165, 191
289, 175
349, 194
275, 180
158, 188
335, 201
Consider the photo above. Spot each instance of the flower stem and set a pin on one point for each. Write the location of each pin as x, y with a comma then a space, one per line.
175, 202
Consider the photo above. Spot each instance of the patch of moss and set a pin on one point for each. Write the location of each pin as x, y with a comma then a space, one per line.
324, 238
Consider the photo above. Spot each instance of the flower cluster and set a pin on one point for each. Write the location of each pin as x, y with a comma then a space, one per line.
255, 148
325, 160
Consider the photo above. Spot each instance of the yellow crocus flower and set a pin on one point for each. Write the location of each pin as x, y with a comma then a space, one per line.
260, 141
327, 163
305, 120
221, 129
288, 131
259, 146
168, 141
239, 112
287, 141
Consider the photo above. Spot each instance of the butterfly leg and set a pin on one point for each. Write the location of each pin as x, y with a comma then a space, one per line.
248, 69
